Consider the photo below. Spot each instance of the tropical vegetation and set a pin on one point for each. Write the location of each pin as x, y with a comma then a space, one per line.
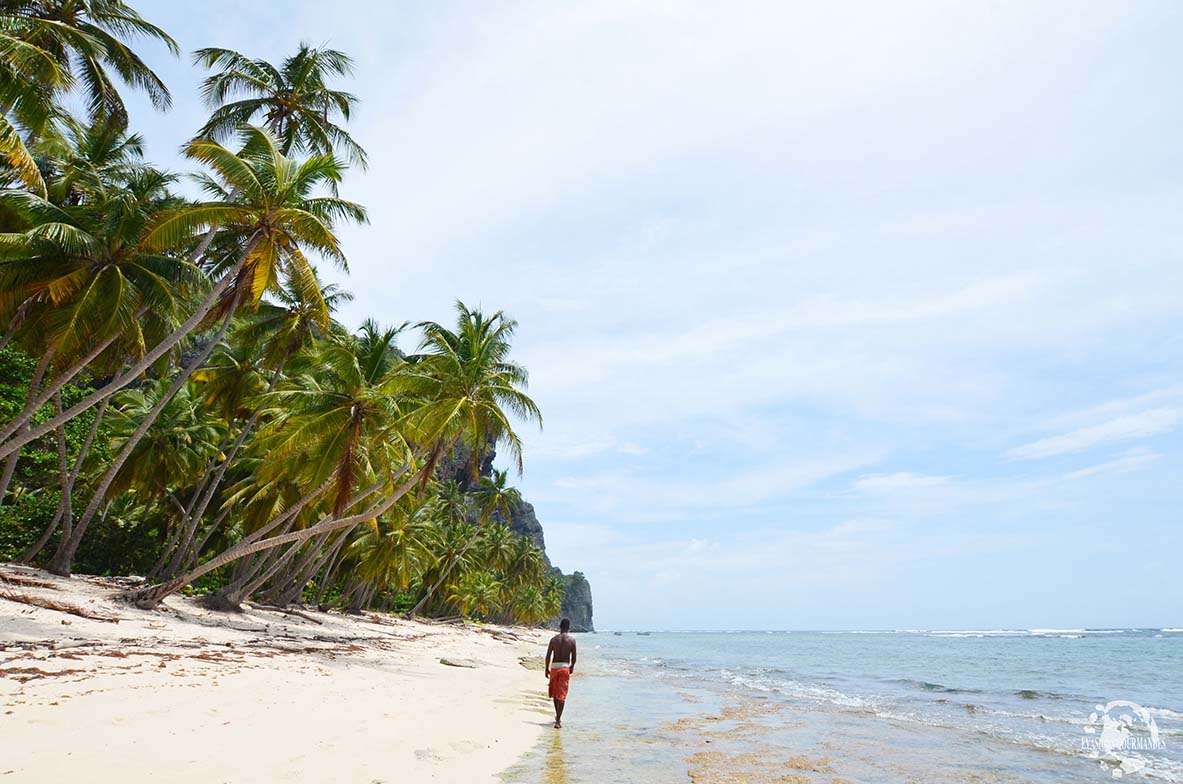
177, 396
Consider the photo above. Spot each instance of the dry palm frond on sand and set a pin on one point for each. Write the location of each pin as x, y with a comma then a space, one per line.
50, 604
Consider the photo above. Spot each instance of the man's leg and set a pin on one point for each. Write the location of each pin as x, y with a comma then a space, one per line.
559, 705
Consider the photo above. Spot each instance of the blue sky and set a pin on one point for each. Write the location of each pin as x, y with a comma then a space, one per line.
863, 316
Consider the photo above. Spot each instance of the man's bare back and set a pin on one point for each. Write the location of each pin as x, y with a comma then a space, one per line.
560, 663
561, 649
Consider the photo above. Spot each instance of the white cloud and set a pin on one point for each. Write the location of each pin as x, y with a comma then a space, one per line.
905, 482
640, 495
1141, 425
563, 450
1132, 460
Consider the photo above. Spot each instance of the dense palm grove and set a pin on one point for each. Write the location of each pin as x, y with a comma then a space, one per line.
176, 398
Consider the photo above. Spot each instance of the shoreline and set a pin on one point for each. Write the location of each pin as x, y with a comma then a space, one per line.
263, 695
814, 708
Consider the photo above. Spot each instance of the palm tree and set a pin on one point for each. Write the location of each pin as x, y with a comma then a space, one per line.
525, 568
47, 48
82, 39
535, 605
327, 423
79, 281
485, 388
281, 331
91, 160
175, 447
294, 100
331, 416
79, 284
227, 384
30, 77
460, 386
497, 546
393, 552
275, 212
495, 498
477, 594
267, 202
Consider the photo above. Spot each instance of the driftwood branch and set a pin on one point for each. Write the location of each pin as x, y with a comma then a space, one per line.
287, 611
50, 604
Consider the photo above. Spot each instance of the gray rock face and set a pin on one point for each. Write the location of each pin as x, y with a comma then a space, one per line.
577, 603
523, 522
577, 600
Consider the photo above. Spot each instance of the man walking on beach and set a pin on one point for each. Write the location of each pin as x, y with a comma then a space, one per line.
560, 663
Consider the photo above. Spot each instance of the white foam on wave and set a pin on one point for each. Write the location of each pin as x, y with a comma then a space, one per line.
1071, 634
798, 690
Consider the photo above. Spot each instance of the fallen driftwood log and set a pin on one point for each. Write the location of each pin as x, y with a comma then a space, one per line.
287, 611
129, 581
438, 621
27, 582
466, 663
50, 604
500, 634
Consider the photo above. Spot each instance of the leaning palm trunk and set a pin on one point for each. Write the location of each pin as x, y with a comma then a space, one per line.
448, 570
246, 574
178, 528
29, 410
59, 383
228, 597
199, 545
63, 559
150, 597
286, 572
281, 562
289, 588
327, 574
65, 510
209, 486
362, 597
15, 442
65, 505
14, 324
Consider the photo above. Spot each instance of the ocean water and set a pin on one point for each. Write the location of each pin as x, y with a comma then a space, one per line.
983, 706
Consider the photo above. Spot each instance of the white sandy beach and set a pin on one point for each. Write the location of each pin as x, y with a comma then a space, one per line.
186, 695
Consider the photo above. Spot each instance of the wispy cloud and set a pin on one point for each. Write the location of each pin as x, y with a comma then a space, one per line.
904, 481
564, 451
1132, 460
648, 496
1141, 425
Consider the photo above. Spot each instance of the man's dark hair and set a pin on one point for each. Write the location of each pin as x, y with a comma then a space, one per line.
565, 625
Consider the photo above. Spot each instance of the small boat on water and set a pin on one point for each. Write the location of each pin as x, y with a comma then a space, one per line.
642, 634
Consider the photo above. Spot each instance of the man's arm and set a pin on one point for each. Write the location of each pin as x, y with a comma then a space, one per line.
574, 650
550, 649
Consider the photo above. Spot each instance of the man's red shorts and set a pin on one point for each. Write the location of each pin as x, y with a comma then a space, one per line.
560, 679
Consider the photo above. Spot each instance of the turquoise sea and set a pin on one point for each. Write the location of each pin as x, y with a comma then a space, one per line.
877, 706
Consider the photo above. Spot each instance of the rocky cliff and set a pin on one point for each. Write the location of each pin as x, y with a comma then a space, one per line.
577, 599
577, 602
